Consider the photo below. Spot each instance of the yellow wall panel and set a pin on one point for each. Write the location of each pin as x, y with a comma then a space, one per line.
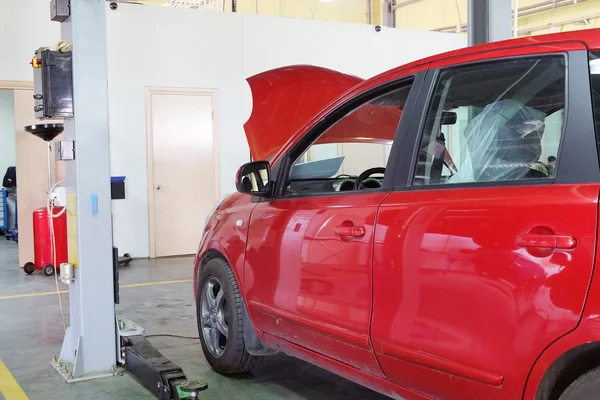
335, 10
433, 14
560, 15
421, 15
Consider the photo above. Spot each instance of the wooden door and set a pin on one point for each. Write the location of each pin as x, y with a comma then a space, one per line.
183, 172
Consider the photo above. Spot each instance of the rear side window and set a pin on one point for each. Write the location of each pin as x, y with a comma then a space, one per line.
496, 121
595, 85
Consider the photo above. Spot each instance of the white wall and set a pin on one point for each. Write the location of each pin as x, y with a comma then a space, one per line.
24, 27
154, 46
8, 152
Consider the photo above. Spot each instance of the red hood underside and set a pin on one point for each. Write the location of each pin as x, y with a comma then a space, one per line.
285, 99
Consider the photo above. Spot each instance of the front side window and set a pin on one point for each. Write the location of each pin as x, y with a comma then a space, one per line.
498, 121
353, 152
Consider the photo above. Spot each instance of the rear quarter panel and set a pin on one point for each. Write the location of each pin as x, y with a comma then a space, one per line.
588, 331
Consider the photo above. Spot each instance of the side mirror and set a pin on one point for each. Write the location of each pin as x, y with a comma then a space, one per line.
254, 178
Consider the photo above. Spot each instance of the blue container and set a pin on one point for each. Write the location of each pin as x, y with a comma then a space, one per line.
117, 187
3, 210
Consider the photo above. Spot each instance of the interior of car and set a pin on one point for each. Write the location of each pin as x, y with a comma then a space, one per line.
351, 154
507, 127
485, 123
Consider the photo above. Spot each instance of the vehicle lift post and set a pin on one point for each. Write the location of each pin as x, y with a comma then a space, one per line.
95, 340
489, 21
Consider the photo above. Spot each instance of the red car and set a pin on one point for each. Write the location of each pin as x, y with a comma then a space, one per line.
430, 233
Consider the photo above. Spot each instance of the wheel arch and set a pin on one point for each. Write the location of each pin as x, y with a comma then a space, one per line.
211, 251
567, 368
253, 344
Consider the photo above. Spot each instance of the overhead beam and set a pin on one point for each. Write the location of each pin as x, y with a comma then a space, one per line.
405, 3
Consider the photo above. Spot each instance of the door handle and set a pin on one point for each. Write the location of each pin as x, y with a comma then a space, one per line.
349, 231
547, 241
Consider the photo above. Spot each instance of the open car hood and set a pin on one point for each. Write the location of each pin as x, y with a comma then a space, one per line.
285, 99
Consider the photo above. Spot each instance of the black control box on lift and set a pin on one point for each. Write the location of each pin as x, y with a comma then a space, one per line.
53, 84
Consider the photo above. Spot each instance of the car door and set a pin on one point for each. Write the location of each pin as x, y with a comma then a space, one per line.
478, 268
308, 270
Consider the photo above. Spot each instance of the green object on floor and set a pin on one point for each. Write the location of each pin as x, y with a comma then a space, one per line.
182, 394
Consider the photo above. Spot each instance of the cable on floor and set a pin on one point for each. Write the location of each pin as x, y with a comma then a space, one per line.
172, 335
51, 216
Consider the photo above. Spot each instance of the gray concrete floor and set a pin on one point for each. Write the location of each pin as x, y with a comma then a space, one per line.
31, 331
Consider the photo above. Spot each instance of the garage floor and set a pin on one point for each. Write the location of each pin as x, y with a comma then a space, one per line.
31, 332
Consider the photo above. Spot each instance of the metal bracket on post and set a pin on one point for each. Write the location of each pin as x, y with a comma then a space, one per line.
69, 365
389, 13
60, 10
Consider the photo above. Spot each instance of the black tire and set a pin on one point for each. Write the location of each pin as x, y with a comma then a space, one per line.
29, 268
49, 270
127, 255
235, 358
586, 387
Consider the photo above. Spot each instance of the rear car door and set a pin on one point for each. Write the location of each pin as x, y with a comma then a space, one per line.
308, 271
483, 260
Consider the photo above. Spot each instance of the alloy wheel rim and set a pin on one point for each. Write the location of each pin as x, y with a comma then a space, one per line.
214, 316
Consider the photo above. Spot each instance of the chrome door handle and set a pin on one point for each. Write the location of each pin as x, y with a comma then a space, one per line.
158, 187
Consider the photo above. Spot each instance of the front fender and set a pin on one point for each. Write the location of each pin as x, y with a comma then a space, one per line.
225, 236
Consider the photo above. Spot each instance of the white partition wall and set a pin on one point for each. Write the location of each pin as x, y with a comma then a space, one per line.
162, 47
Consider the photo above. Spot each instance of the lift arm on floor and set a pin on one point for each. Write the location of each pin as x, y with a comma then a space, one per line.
160, 376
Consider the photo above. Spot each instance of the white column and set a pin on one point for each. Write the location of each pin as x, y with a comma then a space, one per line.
90, 342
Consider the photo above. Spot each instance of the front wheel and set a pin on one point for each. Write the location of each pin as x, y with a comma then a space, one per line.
585, 388
220, 320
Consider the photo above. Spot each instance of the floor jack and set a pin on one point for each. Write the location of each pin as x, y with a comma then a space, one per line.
145, 363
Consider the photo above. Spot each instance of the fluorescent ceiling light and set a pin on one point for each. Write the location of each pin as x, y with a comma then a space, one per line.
183, 3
